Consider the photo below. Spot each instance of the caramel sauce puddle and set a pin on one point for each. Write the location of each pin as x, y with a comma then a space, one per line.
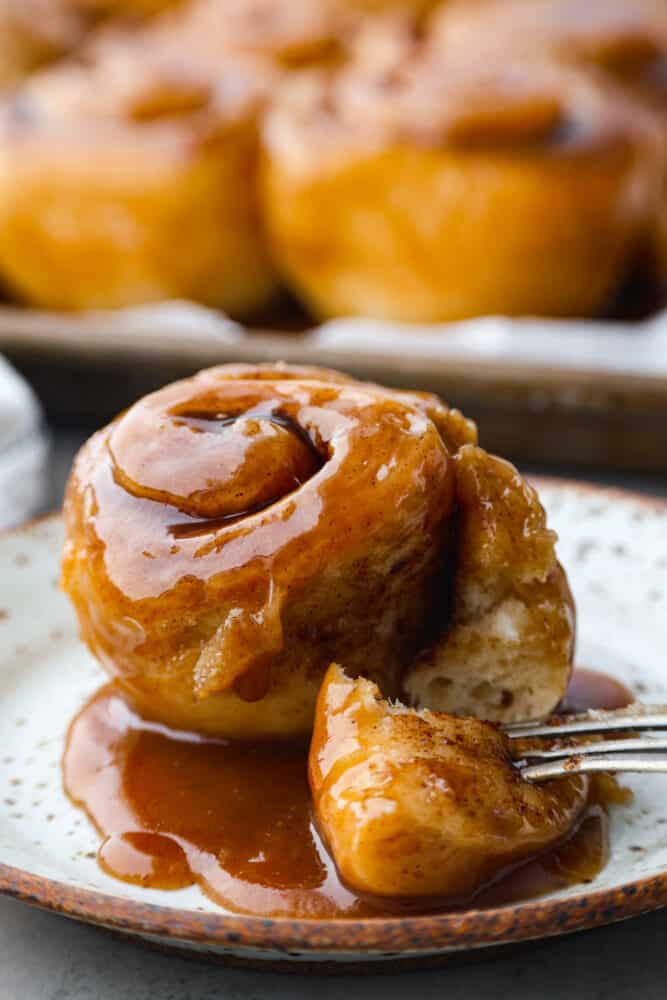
175, 809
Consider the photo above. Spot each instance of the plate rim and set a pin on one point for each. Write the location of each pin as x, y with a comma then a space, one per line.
400, 936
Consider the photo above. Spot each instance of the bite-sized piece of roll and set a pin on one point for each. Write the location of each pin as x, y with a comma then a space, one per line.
422, 804
129, 176
230, 535
440, 186
33, 32
508, 650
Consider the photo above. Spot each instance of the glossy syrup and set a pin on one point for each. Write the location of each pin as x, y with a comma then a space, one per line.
174, 809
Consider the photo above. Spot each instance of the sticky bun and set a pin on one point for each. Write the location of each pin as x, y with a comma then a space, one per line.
415, 804
625, 40
231, 535
434, 185
128, 175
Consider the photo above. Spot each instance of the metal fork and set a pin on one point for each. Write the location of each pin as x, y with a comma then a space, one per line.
573, 754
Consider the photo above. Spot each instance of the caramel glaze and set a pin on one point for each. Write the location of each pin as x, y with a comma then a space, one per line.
232, 534
176, 808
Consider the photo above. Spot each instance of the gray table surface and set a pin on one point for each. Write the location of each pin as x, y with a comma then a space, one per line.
45, 957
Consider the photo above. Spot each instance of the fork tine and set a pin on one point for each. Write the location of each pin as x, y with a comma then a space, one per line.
636, 717
649, 744
582, 764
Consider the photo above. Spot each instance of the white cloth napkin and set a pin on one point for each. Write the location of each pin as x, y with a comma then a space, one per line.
23, 450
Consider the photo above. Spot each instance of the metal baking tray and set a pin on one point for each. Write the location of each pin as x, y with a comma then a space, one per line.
541, 390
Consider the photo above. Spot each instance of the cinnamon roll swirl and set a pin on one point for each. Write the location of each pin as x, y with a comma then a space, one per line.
231, 535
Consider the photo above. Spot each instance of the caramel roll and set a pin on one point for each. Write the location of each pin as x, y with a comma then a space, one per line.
433, 185
421, 804
128, 176
625, 40
230, 535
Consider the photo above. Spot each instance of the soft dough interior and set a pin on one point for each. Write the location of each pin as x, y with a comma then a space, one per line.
507, 650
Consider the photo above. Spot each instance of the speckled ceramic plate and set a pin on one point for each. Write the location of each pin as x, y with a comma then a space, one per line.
614, 546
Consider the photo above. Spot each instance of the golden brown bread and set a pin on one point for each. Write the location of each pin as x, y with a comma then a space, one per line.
129, 176
429, 185
421, 804
231, 535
